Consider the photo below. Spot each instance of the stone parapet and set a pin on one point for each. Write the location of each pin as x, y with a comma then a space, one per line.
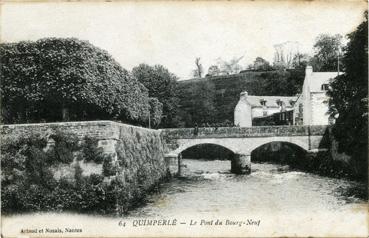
243, 132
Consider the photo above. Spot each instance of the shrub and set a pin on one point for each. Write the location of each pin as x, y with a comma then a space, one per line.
91, 151
28, 184
109, 169
65, 145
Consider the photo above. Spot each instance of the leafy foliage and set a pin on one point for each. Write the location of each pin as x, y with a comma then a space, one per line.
349, 98
109, 168
29, 185
91, 151
162, 85
327, 49
65, 145
156, 111
213, 71
41, 78
199, 106
261, 64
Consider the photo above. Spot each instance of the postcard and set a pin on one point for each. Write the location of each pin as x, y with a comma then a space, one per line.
184, 118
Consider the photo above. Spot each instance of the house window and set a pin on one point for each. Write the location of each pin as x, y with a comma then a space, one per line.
324, 87
301, 108
263, 102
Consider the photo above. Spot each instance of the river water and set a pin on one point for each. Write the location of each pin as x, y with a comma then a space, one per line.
271, 201
207, 187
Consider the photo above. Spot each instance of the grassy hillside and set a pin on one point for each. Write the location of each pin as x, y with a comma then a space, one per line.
213, 99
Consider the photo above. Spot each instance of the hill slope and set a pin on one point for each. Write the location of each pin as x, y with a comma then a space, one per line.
213, 99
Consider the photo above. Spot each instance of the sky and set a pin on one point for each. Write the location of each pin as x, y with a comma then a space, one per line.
174, 33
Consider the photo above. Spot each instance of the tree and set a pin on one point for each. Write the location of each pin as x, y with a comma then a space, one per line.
285, 53
349, 99
156, 111
230, 67
261, 64
327, 49
162, 85
213, 71
55, 78
199, 69
202, 105
300, 61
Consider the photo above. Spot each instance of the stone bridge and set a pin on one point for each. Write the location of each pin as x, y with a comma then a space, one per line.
243, 140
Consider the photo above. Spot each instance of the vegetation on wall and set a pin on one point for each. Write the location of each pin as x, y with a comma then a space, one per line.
47, 173
28, 183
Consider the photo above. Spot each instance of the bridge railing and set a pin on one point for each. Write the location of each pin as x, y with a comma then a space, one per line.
257, 131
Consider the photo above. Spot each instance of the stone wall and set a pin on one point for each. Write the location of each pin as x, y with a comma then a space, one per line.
243, 132
136, 154
102, 130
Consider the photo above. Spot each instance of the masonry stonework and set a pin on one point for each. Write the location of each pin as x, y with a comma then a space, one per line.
137, 154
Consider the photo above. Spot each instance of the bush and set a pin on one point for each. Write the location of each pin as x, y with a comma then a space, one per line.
109, 169
10, 198
90, 151
65, 145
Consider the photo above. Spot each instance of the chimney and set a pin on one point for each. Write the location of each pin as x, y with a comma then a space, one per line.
308, 70
243, 95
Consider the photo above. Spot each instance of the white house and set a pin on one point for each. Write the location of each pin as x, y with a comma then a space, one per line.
249, 107
311, 107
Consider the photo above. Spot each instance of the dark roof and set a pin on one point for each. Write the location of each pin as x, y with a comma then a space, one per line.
271, 101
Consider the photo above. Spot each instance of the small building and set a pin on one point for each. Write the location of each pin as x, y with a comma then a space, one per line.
276, 119
254, 108
311, 107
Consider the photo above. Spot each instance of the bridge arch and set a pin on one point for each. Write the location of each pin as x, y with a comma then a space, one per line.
301, 143
208, 151
279, 152
186, 144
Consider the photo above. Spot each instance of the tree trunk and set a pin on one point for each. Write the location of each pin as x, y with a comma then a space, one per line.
65, 113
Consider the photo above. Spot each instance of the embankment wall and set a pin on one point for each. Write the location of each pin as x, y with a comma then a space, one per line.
136, 155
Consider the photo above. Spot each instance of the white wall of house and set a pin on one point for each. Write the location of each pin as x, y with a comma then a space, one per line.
314, 98
242, 112
319, 108
306, 96
259, 111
